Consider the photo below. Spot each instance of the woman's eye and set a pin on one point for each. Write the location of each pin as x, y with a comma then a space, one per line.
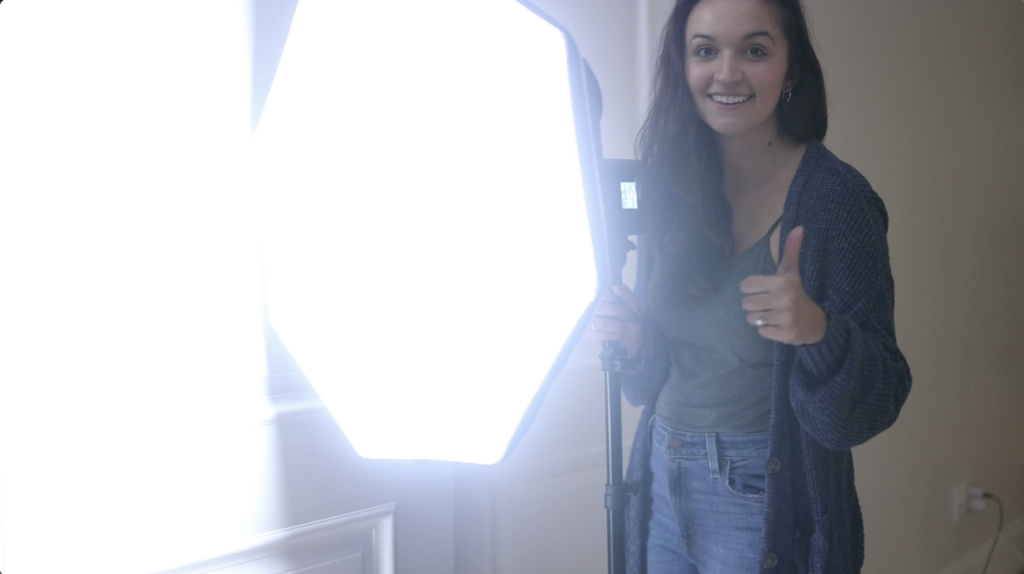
757, 51
704, 52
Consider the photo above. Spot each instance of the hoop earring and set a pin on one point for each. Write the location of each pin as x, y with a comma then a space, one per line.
787, 95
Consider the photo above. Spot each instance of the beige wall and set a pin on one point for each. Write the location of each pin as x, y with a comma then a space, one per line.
926, 101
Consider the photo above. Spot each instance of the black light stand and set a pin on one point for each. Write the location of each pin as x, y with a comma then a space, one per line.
616, 494
619, 224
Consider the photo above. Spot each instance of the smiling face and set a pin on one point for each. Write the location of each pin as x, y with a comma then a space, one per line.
736, 63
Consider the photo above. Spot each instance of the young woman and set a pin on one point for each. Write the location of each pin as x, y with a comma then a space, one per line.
758, 367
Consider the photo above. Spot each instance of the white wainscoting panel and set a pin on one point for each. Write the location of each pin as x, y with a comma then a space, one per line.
355, 543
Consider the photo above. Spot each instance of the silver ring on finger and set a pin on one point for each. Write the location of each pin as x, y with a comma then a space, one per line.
760, 322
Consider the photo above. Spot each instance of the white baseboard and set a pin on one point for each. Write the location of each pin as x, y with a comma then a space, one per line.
356, 543
973, 560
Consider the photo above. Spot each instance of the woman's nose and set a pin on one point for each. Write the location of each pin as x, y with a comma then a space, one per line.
728, 70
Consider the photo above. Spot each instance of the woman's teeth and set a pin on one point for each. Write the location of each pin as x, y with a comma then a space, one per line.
730, 99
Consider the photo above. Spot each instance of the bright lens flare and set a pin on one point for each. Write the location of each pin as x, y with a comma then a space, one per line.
427, 251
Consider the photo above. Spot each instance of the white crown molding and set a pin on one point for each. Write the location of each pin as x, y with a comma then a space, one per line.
366, 536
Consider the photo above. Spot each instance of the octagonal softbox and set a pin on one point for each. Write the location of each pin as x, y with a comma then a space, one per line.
428, 254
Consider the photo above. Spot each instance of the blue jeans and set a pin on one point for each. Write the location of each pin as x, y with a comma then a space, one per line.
708, 493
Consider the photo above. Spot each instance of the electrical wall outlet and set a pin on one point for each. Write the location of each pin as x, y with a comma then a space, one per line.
959, 501
976, 500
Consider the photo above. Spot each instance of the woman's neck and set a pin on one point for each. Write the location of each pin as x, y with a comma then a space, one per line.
758, 169
754, 163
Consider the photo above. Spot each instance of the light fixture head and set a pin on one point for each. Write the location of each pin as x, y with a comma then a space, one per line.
429, 252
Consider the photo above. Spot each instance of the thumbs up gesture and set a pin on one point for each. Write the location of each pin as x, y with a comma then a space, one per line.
778, 305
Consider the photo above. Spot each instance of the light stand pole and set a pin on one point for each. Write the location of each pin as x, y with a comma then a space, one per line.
615, 495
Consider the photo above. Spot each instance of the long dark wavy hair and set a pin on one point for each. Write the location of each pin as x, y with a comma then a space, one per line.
680, 175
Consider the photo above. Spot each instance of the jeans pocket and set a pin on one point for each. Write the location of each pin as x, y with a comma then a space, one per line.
746, 478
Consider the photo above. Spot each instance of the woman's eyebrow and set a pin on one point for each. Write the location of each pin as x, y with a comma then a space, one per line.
757, 34
746, 38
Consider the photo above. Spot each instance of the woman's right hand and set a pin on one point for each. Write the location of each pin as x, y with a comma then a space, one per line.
617, 318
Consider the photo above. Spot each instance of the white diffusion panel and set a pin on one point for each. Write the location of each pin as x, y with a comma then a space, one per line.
427, 248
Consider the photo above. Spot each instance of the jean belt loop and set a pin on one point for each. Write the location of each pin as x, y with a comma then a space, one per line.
712, 454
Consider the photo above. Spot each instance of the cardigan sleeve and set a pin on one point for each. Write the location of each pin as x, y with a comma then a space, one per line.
644, 375
851, 385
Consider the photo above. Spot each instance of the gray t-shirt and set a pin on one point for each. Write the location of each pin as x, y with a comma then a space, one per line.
720, 378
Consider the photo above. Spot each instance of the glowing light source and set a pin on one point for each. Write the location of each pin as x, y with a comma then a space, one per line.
131, 336
428, 250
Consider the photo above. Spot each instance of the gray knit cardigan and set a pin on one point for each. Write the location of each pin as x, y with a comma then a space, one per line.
826, 398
